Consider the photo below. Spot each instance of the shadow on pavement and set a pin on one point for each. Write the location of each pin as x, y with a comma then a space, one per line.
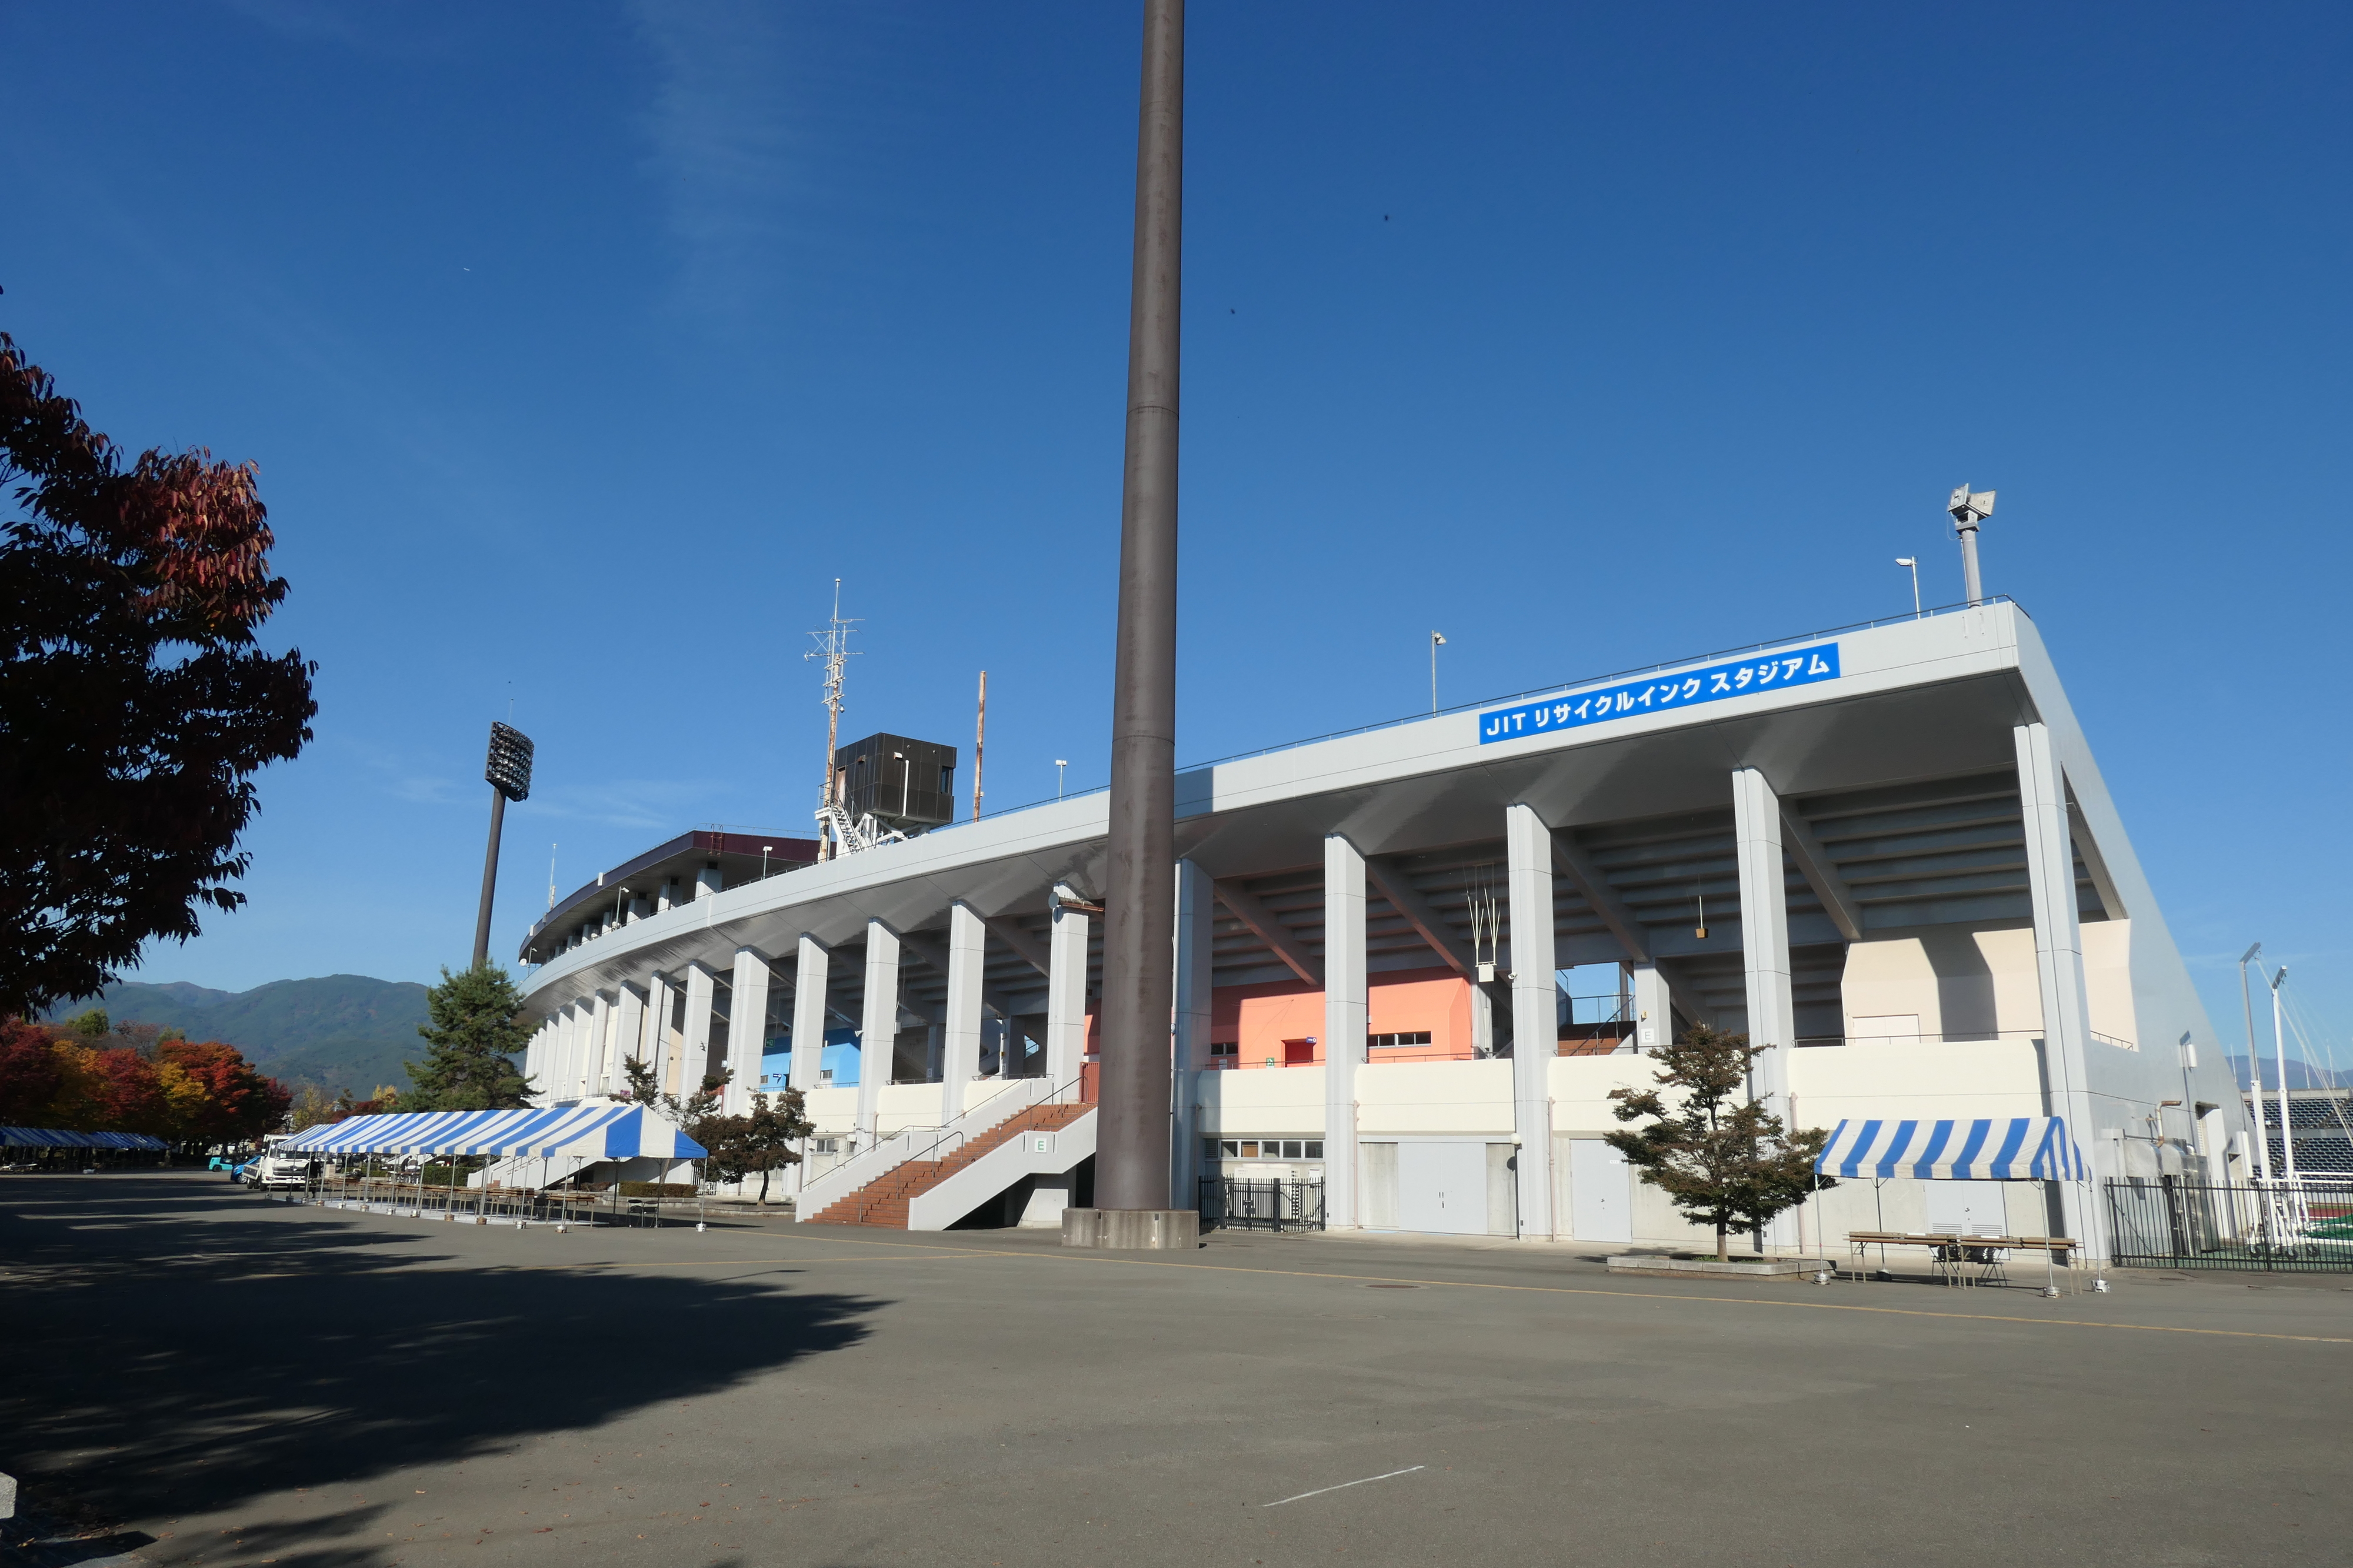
172, 1351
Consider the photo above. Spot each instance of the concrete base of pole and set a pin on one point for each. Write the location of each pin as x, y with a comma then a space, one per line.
1132, 1230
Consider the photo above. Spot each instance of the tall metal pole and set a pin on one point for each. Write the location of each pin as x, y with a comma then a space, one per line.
1140, 913
2254, 1067
2279, 1054
979, 740
1970, 584
490, 878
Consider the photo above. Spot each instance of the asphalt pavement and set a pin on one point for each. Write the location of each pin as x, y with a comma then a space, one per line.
198, 1375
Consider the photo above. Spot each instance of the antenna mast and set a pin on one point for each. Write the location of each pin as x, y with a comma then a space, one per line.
833, 646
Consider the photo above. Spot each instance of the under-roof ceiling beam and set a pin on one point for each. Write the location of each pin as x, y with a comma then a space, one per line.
2088, 849
1570, 860
1390, 880
1822, 875
1244, 906
1009, 931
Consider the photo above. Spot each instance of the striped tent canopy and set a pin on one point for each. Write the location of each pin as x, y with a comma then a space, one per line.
604, 1132
2018, 1149
49, 1138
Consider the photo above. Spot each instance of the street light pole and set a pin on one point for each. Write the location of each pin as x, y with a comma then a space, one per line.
508, 770
2279, 1054
1437, 641
1914, 562
1132, 1148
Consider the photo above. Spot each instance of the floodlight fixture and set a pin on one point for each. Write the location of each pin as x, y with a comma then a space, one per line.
508, 771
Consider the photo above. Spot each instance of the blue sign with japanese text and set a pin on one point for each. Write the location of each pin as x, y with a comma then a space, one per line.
1654, 694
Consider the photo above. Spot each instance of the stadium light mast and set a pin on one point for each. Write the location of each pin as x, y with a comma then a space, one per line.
508, 770
2279, 1054
2254, 1066
1132, 1158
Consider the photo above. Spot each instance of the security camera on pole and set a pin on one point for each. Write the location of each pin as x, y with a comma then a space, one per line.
509, 772
1969, 510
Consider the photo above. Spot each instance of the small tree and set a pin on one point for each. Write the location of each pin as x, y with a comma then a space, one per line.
761, 1140
1719, 1156
475, 1034
736, 1146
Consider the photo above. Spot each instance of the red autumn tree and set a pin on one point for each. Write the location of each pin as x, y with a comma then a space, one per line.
136, 702
238, 1102
30, 1074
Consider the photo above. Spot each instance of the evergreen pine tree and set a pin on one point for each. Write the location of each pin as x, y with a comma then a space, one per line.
474, 1036
1720, 1156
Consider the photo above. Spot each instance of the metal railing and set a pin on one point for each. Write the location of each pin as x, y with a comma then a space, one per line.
1238, 1203
2169, 1221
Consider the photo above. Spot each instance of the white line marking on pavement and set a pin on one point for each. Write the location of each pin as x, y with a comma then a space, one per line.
1344, 1486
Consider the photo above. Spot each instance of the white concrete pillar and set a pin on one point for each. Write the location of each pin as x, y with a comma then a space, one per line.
600, 1046
2059, 966
567, 1053
666, 895
747, 1029
1655, 1010
812, 967
706, 883
1535, 1011
878, 1022
1344, 1017
1765, 936
531, 1053
694, 1042
1066, 1000
967, 950
1196, 927
628, 1038
639, 909
653, 1044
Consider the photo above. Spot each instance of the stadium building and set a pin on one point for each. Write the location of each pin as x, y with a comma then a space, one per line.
1412, 962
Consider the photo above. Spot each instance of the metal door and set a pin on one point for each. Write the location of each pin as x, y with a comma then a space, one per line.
1600, 1192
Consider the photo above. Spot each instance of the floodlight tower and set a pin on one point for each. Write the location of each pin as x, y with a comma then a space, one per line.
1968, 511
509, 773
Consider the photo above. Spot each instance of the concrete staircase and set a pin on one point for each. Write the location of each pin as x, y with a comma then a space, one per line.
888, 1200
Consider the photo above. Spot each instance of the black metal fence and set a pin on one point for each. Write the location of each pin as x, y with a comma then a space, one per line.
1236, 1203
2166, 1222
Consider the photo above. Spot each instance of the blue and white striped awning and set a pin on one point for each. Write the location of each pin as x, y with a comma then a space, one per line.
2019, 1149
607, 1131
53, 1138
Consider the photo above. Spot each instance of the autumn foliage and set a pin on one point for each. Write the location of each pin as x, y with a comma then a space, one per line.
185, 1092
135, 701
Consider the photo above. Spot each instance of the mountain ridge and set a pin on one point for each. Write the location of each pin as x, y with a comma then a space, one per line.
338, 1031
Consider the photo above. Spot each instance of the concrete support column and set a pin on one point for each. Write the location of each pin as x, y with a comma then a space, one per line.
1345, 1013
628, 1038
878, 1035
567, 1039
967, 950
812, 969
1535, 1011
1654, 1009
653, 1045
1197, 908
747, 1029
530, 1059
694, 1044
1765, 936
706, 881
603, 1048
1066, 999
2059, 966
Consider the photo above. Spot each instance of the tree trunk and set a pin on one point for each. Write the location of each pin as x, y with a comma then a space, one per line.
1723, 1250
764, 1186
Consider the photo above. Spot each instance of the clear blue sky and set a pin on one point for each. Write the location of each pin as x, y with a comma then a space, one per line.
581, 347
